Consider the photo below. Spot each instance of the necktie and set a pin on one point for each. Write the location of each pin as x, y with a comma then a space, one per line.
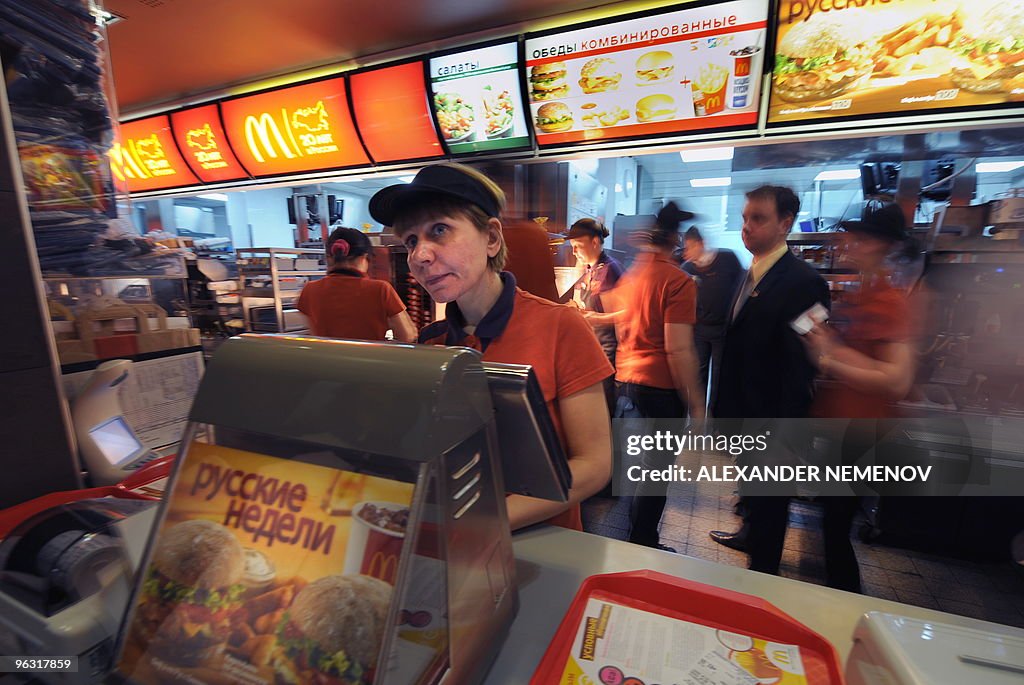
745, 290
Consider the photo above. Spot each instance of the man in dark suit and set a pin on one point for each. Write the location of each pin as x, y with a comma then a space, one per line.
765, 369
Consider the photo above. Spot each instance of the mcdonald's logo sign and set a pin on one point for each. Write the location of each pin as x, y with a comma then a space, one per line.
713, 103
258, 136
383, 566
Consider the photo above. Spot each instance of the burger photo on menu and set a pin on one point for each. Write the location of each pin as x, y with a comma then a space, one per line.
990, 50
547, 81
192, 590
332, 632
657, 107
553, 117
654, 67
820, 58
599, 75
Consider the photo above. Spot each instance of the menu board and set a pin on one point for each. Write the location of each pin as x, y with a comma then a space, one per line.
306, 127
390, 106
267, 570
900, 57
653, 74
146, 158
204, 146
477, 99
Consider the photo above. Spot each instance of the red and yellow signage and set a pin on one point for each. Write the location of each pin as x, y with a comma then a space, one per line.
146, 157
390, 107
204, 146
300, 128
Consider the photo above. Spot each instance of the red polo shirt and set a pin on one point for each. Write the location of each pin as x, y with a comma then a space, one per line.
653, 292
525, 329
349, 305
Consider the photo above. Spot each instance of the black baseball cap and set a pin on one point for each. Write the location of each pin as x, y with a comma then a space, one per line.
887, 222
587, 228
436, 179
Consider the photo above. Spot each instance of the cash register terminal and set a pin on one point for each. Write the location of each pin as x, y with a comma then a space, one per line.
110, 449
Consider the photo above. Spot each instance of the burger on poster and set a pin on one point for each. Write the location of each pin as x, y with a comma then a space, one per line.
990, 49
547, 81
332, 632
654, 67
553, 117
658, 107
194, 586
820, 58
599, 75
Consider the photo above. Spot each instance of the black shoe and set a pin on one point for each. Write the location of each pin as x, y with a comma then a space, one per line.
737, 540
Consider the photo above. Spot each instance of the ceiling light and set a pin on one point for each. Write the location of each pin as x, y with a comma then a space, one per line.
708, 154
838, 175
219, 197
406, 179
351, 179
710, 182
997, 167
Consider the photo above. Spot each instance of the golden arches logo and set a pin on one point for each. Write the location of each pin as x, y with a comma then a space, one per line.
261, 135
124, 165
383, 566
713, 103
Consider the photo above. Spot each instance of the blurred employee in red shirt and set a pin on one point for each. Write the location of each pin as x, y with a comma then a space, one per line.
601, 272
529, 258
347, 304
656, 365
447, 217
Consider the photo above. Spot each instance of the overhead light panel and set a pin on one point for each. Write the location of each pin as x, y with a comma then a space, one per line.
997, 167
838, 175
219, 197
707, 154
712, 182
406, 179
351, 179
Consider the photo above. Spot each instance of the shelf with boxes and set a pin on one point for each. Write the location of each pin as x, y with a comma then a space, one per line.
104, 317
270, 280
821, 251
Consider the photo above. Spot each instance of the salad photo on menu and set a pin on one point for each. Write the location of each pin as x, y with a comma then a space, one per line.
477, 99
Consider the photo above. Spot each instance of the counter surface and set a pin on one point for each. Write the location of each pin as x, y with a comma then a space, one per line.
552, 562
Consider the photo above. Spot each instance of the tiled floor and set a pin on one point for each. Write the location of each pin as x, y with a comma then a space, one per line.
993, 592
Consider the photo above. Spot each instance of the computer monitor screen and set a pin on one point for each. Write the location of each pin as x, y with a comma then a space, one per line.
116, 440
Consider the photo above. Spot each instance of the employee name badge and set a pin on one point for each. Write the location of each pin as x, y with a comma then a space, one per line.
620, 645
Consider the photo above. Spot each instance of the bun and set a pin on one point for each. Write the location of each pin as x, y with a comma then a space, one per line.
547, 81
990, 59
811, 39
599, 75
344, 613
654, 66
554, 117
656, 107
549, 69
837, 65
200, 554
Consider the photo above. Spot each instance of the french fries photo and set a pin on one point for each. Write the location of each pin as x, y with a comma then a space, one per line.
920, 44
711, 78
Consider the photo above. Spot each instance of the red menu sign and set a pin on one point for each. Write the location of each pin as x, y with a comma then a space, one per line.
204, 146
290, 130
146, 157
390, 106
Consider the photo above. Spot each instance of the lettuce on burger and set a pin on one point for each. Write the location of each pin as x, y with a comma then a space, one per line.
553, 117
193, 587
547, 81
819, 58
332, 633
990, 49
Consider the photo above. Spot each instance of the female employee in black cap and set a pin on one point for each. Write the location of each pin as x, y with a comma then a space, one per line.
601, 273
447, 217
865, 362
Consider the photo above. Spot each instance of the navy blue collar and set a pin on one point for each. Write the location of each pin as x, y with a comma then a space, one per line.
494, 322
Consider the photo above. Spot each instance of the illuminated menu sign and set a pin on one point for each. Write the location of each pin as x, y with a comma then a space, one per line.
902, 57
290, 130
204, 146
146, 158
390, 106
477, 99
654, 74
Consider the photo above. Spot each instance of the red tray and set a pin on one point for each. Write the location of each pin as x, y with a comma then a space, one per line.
698, 603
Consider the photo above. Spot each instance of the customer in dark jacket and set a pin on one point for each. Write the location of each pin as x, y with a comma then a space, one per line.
765, 369
717, 274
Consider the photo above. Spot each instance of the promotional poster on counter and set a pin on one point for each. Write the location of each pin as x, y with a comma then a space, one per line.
837, 59
689, 70
267, 570
623, 645
477, 99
